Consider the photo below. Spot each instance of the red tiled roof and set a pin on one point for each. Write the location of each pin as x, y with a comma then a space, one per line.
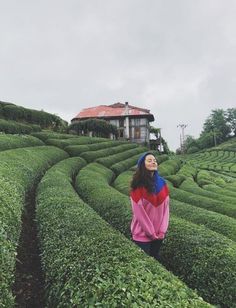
115, 110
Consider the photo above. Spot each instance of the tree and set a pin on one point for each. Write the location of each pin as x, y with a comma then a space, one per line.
218, 125
99, 128
163, 147
190, 145
231, 119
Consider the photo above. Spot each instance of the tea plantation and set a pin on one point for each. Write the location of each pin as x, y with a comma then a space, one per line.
77, 191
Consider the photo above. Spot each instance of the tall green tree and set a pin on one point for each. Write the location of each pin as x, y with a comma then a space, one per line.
231, 119
217, 124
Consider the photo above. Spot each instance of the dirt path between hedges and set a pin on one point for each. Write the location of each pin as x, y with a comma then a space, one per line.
29, 280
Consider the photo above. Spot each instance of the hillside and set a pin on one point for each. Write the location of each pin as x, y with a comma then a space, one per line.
65, 217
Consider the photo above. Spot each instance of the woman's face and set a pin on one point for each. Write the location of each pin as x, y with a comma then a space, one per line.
150, 163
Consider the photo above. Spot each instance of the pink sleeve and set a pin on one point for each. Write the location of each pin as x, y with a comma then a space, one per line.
165, 220
143, 219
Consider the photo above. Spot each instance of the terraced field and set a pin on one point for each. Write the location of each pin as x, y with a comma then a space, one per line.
64, 226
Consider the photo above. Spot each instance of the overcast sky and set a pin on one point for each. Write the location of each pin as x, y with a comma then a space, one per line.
176, 58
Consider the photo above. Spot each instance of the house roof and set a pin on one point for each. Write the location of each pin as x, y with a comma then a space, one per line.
115, 110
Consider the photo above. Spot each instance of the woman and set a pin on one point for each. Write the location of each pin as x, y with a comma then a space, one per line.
150, 206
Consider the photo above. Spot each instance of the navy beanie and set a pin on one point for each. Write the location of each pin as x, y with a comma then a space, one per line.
142, 158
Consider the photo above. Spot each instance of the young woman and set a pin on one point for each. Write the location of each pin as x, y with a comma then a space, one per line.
150, 206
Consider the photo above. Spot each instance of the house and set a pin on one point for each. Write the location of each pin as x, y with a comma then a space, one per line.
132, 122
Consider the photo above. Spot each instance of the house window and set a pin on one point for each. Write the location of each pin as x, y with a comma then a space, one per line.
137, 133
136, 122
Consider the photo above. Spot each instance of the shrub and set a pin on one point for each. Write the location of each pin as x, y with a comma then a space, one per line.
18, 141
12, 127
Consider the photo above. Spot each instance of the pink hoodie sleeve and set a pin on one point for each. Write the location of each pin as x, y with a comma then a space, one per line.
165, 221
143, 219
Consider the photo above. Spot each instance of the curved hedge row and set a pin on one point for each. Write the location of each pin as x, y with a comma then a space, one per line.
60, 143
191, 251
12, 127
219, 190
187, 170
117, 168
169, 167
89, 264
205, 177
48, 134
20, 169
76, 150
191, 186
116, 158
93, 155
203, 202
175, 179
161, 158
18, 141
19, 113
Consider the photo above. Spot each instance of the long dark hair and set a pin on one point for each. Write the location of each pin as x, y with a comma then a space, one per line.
143, 178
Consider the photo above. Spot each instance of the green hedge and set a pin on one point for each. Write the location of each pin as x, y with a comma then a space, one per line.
191, 186
75, 141
203, 202
89, 264
117, 168
116, 158
76, 150
175, 179
122, 182
48, 134
191, 251
91, 156
39, 117
219, 190
20, 169
12, 127
161, 158
169, 167
216, 222
18, 141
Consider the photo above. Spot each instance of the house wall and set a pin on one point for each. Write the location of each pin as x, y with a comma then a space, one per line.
138, 129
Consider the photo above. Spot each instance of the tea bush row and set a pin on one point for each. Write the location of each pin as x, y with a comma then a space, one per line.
20, 169
18, 141
219, 190
190, 186
118, 157
218, 206
60, 143
170, 166
12, 127
90, 156
76, 150
48, 134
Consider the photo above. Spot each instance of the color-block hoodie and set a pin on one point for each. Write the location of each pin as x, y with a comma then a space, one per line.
150, 211
150, 221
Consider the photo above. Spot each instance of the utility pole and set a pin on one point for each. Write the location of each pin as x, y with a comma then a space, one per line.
160, 140
182, 126
214, 136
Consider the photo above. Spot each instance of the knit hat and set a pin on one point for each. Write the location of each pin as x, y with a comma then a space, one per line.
142, 158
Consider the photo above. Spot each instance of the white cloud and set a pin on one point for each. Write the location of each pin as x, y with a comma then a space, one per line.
176, 58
